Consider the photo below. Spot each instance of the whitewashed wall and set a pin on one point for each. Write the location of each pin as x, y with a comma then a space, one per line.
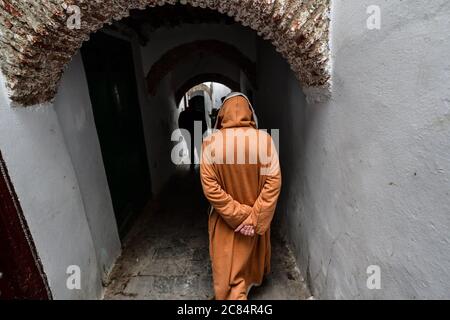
33, 146
367, 173
74, 110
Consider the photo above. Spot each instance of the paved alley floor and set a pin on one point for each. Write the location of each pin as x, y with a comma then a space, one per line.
165, 255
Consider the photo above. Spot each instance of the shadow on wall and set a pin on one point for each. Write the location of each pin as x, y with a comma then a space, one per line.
281, 104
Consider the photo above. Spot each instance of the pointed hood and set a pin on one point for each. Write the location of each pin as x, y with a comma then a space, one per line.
236, 111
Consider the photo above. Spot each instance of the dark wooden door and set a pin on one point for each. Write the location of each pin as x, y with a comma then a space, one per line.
109, 67
21, 275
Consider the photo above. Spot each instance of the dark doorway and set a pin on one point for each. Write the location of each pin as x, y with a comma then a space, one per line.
109, 67
21, 275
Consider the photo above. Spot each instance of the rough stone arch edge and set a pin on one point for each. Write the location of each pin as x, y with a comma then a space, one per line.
36, 44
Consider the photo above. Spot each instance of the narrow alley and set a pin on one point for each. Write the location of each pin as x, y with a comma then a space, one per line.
165, 255
100, 100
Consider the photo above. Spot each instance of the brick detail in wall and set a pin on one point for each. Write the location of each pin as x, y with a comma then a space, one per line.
36, 44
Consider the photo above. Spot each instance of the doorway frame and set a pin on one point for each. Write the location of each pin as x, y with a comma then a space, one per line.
28, 280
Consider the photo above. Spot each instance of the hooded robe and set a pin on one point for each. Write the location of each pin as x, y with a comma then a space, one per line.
236, 192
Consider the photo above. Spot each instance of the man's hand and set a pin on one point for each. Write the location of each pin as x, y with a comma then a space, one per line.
248, 231
247, 228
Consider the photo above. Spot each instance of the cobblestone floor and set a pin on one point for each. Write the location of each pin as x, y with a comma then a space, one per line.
165, 255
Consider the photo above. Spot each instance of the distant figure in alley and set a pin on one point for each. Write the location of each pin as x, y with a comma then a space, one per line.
195, 112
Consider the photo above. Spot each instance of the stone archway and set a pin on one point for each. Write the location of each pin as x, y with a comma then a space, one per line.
36, 43
178, 55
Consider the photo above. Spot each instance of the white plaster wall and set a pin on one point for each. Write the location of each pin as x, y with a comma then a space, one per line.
219, 91
74, 111
44, 178
367, 173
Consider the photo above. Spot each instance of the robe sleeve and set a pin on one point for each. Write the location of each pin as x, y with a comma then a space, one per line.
265, 205
233, 212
